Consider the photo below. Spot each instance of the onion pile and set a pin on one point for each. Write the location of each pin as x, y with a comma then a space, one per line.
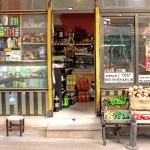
138, 91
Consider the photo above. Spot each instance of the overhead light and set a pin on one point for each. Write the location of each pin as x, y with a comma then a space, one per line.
115, 45
70, 8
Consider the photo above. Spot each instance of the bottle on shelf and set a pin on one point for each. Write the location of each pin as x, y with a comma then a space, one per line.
68, 79
74, 79
61, 32
66, 101
56, 104
71, 79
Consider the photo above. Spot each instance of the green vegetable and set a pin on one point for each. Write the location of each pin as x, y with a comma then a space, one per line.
121, 115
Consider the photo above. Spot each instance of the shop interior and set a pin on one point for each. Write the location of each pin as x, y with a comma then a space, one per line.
73, 63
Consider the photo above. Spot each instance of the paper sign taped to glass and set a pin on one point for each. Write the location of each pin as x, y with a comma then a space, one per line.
12, 98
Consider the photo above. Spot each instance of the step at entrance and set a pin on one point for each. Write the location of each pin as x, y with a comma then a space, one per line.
74, 128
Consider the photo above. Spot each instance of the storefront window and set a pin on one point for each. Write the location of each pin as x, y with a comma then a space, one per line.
144, 49
23, 51
124, 4
23, 5
118, 50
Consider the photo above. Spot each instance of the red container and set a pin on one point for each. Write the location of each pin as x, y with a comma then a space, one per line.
12, 31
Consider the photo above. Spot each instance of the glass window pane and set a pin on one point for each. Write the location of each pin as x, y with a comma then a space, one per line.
144, 49
119, 47
23, 5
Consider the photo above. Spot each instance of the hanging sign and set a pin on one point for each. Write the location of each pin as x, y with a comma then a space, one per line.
119, 77
12, 98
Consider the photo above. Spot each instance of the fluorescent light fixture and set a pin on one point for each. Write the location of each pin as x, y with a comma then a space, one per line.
115, 45
70, 8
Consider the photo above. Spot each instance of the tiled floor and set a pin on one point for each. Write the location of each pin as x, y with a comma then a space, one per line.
78, 110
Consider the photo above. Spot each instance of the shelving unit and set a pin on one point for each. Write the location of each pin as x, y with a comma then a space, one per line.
23, 52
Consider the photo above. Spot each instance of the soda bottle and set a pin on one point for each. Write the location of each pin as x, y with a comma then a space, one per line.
66, 101
56, 104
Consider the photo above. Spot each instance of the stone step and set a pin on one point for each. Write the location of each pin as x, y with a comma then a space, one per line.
74, 128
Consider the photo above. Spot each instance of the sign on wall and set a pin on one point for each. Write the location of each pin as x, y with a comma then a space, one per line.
144, 78
118, 77
12, 98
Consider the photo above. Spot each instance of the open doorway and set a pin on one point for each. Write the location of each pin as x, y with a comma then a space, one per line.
74, 57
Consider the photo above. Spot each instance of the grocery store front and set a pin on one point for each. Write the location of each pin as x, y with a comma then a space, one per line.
124, 45
29, 78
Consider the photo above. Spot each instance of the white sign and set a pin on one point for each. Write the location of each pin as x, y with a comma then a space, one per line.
111, 78
126, 77
144, 78
119, 77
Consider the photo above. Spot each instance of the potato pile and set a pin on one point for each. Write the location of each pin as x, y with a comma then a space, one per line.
138, 91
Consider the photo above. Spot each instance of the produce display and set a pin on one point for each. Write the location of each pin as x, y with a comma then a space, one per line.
119, 101
138, 91
117, 115
141, 117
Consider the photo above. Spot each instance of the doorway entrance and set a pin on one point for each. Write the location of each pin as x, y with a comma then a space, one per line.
73, 54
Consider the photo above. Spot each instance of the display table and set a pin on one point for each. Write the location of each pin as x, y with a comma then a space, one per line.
113, 124
15, 123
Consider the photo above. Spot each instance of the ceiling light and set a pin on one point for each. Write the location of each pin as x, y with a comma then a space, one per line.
70, 8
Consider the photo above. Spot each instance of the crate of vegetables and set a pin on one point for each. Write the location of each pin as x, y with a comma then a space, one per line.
142, 117
119, 102
117, 116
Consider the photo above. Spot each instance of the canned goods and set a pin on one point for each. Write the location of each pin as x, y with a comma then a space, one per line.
15, 21
11, 21
7, 31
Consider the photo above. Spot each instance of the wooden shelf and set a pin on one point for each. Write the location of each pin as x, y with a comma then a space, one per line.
28, 43
33, 60
33, 27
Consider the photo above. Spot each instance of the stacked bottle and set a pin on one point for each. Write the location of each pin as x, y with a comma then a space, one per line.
71, 88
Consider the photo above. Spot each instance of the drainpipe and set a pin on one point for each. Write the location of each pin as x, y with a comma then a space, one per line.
97, 56
49, 60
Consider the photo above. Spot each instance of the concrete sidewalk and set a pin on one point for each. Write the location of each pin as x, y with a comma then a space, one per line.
35, 139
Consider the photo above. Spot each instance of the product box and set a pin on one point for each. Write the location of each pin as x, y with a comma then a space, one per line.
13, 55
2, 55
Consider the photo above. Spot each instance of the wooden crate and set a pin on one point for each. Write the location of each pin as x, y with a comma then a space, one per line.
105, 108
117, 120
140, 103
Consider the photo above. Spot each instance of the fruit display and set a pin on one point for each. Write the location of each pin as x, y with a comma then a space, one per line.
138, 91
119, 101
117, 115
141, 116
